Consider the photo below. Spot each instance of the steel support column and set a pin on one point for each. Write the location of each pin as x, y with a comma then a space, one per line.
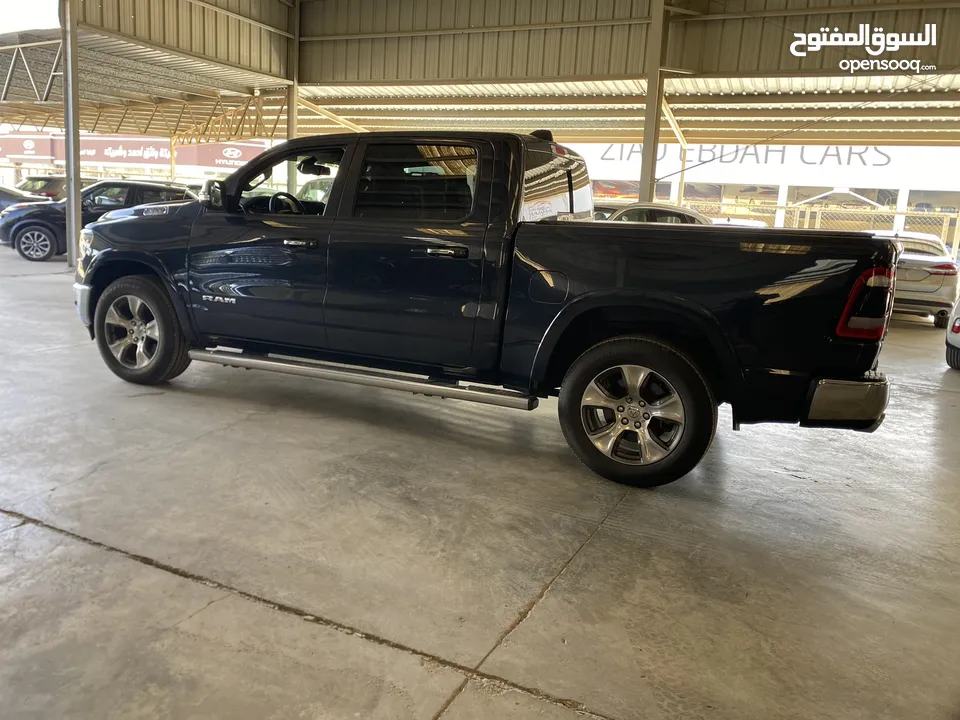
69, 14
293, 94
653, 64
681, 138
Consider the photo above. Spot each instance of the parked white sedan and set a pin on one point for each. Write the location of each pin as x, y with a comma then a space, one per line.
927, 282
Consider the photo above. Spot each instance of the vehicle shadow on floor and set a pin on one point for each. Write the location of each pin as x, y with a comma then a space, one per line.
509, 434
471, 426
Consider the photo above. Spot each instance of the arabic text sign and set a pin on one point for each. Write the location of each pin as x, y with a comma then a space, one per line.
875, 42
124, 150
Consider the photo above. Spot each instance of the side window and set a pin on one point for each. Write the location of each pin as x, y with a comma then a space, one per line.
638, 215
417, 182
666, 216
314, 172
155, 195
555, 184
110, 196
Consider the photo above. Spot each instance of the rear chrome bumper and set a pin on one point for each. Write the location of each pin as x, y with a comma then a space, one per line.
82, 294
849, 404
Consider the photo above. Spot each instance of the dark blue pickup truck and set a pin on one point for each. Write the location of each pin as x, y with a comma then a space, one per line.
468, 266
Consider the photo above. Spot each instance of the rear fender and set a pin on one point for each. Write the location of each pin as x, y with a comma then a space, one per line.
660, 306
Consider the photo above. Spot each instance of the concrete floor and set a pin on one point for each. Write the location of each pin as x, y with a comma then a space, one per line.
245, 545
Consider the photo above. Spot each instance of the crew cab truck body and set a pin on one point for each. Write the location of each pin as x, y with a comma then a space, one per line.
464, 265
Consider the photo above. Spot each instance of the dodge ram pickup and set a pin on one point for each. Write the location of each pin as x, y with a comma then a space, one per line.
467, 265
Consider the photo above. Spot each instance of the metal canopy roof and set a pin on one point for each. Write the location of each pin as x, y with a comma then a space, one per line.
156, 74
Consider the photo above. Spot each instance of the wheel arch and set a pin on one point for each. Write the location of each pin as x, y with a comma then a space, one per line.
28, 222
592, 318
110, 266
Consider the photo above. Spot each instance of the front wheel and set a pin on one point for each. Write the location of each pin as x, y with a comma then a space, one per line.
35, 243
637, 411
137, 331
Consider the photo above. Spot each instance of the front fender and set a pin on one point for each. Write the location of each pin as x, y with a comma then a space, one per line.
105, 266
659, 305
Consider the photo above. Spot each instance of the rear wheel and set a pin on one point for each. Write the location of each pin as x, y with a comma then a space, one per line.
637, 411
36, 243
953, 357
941, 320
137, 332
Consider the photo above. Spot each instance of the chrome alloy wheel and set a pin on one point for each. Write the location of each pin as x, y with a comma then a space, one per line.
632, 414
35, 244
132, 331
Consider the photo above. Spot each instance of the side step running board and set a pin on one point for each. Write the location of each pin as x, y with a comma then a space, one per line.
370, 378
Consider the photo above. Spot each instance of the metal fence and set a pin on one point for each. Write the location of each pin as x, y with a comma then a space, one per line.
946, 226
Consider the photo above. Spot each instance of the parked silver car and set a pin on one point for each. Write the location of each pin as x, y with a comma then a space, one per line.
659, 212
927, 282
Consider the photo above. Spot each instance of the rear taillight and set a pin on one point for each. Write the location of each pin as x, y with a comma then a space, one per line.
868, 308
943, 269
956, 327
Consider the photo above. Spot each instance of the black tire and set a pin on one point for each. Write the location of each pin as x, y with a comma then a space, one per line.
698, 407
169, 351
941, 320
953, 357
35, 243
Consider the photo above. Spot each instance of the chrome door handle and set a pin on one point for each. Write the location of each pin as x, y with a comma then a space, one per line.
448, 252
300, 243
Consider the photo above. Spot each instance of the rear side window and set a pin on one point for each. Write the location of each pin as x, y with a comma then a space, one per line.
38, 185
556, 186
417, 182
154, 195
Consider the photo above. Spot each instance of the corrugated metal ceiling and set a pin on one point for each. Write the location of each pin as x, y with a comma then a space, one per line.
184, 66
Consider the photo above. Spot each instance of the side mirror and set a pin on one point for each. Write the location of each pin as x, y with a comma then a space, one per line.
211, 195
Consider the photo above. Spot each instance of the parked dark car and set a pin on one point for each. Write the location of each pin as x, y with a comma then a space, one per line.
12, 196
38, 230
438, 259
53, 187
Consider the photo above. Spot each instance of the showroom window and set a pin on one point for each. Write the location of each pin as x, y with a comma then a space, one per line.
417, 182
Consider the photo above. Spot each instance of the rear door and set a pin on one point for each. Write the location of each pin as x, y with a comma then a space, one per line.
406, 254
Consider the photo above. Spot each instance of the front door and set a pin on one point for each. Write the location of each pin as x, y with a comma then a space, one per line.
258, 270
406, 254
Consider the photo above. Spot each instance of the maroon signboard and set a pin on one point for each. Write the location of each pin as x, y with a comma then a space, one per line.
24, 148
227, 156
126, 151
